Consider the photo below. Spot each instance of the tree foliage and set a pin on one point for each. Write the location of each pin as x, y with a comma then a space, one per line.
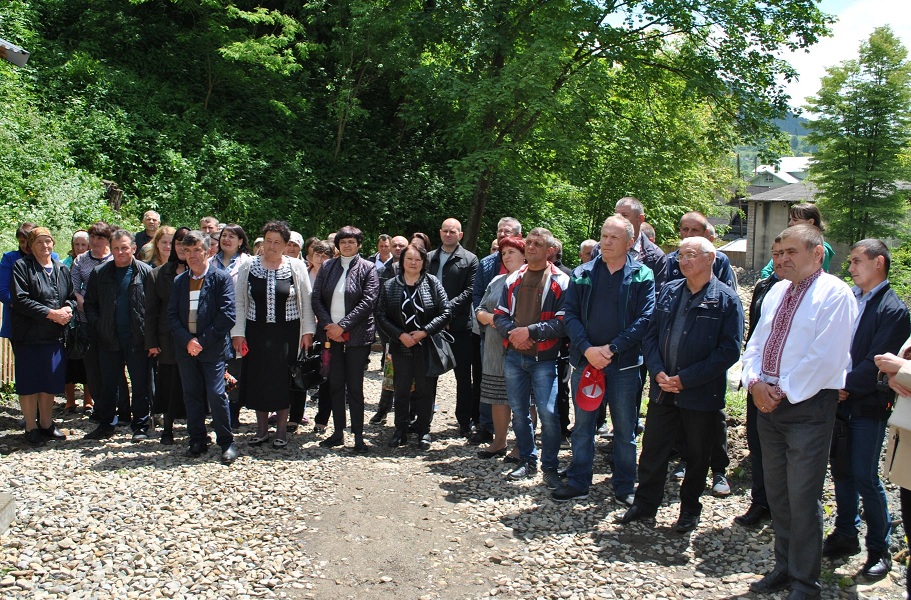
864, 109
394, 115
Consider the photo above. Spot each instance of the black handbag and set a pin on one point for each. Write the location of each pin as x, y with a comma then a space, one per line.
305, 372
76, 339
440, 357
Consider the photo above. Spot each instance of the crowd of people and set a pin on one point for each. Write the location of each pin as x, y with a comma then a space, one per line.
204, 323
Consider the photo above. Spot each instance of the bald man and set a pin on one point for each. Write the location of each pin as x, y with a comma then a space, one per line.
456, 268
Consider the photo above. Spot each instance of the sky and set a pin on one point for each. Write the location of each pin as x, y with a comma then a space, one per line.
856, 21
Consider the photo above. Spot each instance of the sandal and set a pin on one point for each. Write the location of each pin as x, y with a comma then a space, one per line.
258, 441
279, 443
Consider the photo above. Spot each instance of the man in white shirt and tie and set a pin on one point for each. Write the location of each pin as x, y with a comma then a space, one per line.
794, 366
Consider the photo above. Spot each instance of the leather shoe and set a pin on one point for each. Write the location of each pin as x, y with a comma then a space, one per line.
399, 438
756, 514
379, 417
167, 438
635, 513
772, 582
837, 544
496, 453
230, 454
686, 522
52, 433
102, 432
336, 439
197, 449
479, 436
878, 565
360, 447
424, 442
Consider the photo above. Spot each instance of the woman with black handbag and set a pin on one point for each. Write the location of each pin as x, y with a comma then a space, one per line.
413, 306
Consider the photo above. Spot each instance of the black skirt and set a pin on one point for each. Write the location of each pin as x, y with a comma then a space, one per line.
266, 371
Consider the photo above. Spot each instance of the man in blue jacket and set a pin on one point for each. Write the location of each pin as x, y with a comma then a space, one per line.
882, 326
693, 338
608, 305
201, 313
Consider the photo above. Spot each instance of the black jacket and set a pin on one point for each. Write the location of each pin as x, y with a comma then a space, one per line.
361, 290
458, 280
883, 327
100, 305
389, 317
159, 285
33, 295
710, 344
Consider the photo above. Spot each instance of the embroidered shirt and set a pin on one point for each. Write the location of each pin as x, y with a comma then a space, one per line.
271, 276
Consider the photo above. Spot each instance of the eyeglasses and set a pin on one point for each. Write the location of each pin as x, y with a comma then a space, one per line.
689, 256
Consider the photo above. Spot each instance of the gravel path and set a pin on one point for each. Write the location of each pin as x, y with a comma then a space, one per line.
123, 520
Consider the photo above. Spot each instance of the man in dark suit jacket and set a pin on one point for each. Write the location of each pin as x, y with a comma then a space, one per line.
201, 314
456, 268
882, 326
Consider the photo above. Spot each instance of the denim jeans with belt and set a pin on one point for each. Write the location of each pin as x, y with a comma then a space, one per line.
524, 373
621, 389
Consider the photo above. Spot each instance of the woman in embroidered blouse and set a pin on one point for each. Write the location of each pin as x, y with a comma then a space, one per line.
274, 320
412, 306
43, 304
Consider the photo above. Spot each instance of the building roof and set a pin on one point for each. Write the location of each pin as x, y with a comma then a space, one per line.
792, 194
782, 175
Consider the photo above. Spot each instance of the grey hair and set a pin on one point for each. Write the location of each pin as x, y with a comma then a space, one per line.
196, 236
623, 222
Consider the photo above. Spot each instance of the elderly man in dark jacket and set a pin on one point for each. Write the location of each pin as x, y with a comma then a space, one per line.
693, 338
115, 308
201, 313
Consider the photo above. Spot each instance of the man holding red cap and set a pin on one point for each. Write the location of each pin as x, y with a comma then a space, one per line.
693, 338
608, 305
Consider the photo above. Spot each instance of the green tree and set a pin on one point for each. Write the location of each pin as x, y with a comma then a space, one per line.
863, 126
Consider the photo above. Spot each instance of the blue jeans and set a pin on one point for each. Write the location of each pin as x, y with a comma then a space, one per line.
137, 364
522, 374
202, 382
621, 394
865, 443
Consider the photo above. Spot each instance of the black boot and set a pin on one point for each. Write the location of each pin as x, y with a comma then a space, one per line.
383, 409
359, 446
399, 438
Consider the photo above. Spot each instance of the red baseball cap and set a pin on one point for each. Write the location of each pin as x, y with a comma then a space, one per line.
591, 389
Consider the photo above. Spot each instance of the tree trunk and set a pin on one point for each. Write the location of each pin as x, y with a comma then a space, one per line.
478, 204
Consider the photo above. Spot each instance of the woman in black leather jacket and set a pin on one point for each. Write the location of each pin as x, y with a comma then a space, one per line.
344, 297
412, 306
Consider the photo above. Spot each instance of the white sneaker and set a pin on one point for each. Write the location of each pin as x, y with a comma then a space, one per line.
720, 486
679, 471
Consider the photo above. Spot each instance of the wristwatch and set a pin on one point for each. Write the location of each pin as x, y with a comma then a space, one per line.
613, 348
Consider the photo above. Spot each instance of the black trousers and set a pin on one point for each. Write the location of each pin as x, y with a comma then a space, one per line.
346, 379
323, 404
409, 365
468, 406
757, 492
662, 426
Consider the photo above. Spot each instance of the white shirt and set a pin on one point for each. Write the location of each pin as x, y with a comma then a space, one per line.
337, 307
817, 351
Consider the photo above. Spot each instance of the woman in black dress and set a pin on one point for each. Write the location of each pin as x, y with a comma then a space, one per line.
168, 397
42, 306
274, 320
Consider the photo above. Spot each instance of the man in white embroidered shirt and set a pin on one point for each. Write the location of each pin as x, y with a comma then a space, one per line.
794, 366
